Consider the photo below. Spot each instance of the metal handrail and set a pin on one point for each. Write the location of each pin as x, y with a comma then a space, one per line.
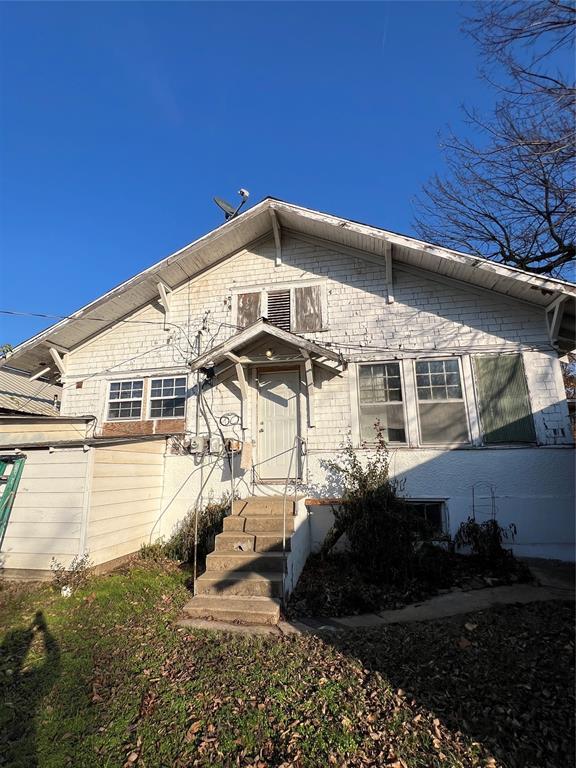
298, 441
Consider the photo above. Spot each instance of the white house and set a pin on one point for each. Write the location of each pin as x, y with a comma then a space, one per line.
297, 329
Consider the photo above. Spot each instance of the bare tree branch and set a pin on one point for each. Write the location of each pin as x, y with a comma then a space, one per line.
511, 194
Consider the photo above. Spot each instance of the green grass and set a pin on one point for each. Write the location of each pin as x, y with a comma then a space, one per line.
110, 680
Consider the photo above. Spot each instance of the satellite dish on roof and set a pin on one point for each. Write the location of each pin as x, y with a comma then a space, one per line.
229, 211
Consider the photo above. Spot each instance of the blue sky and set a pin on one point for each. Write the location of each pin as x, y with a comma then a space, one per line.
120, 121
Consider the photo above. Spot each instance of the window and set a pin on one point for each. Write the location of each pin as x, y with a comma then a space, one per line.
431, 512
503, 400
168, 397
125, 401
380, 397
297, 308
440, 402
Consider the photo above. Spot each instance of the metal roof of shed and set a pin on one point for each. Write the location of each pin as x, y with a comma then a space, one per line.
256, 223
21, 396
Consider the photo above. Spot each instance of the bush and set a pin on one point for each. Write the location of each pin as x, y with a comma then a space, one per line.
381, 531
75, 576
181, 544
156, 551
485, 541
434, 566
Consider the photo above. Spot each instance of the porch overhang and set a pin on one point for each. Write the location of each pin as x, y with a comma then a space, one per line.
246, 349
231, 352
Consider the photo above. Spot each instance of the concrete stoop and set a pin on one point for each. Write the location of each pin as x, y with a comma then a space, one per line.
243, 578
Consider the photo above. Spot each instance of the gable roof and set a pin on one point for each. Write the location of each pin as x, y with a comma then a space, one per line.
257, 223
20, 395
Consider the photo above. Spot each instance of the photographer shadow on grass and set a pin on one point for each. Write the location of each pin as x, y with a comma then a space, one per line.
29, 667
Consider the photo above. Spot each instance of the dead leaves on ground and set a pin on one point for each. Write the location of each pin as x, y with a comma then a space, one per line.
492, 690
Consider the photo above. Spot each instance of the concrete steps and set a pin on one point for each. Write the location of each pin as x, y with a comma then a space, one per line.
264, 505
249, 610
259, 524
243, 581
244, 561
240, 541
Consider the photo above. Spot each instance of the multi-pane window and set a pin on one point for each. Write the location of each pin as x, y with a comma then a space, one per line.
125, 400
381, 406
168, 397
441, 404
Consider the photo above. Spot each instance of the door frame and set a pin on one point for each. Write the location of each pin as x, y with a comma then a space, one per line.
278, 368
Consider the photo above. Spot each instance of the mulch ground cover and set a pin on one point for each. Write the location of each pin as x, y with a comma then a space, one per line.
106, 678
332, 585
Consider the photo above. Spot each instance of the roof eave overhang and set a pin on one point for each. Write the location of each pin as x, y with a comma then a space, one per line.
254, 224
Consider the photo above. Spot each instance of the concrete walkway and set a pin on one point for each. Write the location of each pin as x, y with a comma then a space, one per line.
555, 582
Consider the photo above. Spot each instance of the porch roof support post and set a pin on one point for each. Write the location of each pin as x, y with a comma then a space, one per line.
309, 385
242, 384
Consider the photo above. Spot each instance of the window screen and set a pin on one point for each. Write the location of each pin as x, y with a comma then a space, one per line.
279, 309
307, 309
168, 397
440, 402
248, 308
125, 400
380, 397
504, 404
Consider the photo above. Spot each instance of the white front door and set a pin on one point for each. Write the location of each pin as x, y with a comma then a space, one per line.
277, 424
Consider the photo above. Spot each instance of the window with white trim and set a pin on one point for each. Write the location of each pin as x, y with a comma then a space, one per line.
381, 402
168, 397
441, 406
125, 399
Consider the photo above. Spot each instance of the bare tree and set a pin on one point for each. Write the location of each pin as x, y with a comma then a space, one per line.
569, 376
509, 195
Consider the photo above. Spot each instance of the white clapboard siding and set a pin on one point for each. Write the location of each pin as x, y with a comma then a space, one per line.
46, 518
125, 498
